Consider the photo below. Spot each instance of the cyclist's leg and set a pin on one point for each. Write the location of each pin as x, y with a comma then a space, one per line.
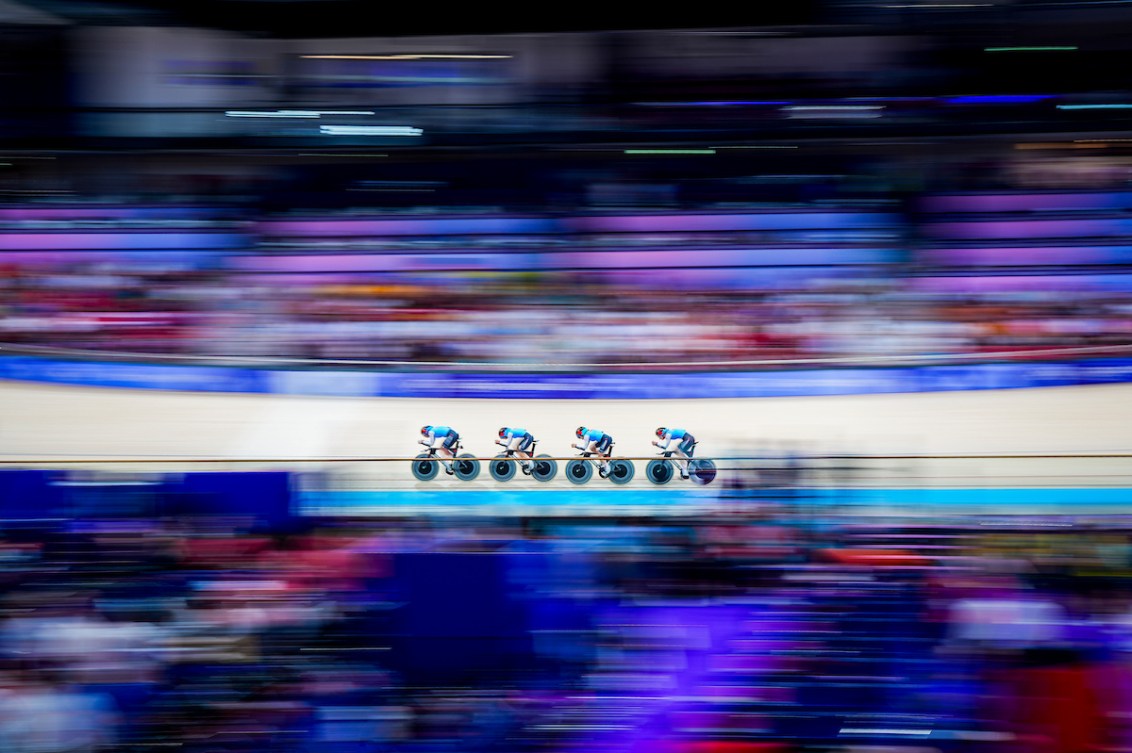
446, 449
680, 460
515, 446
523, 448
443, 454
603, 450
682, 453
671, 450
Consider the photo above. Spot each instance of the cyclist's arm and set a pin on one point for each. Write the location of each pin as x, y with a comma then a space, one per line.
590, 446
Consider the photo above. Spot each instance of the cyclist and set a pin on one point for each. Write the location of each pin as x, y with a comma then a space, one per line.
680, 443
443, 439
519, 441
595, 442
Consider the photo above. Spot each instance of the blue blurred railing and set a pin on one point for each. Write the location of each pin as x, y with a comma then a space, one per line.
666, 380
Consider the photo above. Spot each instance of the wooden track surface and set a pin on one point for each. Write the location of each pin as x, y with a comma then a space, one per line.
45, 421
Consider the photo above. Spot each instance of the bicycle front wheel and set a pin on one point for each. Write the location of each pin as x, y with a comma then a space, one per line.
502, 468
424, 467
579, 471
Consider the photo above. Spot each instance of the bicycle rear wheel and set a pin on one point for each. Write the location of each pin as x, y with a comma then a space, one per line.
544, 469
703, 472
621, 471
466, 467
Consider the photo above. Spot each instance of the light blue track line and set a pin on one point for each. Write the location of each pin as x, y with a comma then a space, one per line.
997, 497
342, 502
493, 498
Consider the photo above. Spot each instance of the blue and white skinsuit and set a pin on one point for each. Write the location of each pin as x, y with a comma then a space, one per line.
443, 439
596, 442
520, 442
681, 444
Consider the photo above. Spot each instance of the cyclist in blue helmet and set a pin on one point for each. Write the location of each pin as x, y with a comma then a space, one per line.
443, 439
680, 443
595, 442
519, 441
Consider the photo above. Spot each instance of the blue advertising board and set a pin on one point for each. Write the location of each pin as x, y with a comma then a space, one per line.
534, 385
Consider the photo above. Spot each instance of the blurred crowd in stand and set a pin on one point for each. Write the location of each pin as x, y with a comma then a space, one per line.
756, 629
213, 313
1000, 270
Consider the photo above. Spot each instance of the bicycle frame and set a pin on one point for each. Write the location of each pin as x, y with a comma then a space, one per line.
434, 453
596, 459
527, 461
685, 460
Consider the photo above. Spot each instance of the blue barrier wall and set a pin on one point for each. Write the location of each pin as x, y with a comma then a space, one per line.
265, 497
620, 386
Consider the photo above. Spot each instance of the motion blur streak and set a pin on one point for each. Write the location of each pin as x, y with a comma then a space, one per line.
843, 289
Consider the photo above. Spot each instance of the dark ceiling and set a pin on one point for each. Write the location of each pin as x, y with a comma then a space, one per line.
343, 18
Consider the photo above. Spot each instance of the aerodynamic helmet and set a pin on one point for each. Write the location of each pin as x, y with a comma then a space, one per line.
661, 431
580, 432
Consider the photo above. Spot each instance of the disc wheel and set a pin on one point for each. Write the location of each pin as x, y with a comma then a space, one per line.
621, 471
502, 468
703, 472
579, 471
424, 467
466, 467
544, 469
659, 471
